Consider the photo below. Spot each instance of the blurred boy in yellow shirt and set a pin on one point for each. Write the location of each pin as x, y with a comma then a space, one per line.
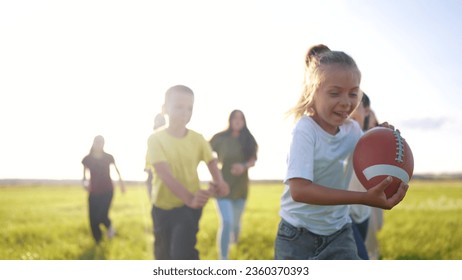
175, 153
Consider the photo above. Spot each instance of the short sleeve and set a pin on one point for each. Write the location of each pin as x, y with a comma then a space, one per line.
155, 152
214, 142
207, 153
85, 161
300, 160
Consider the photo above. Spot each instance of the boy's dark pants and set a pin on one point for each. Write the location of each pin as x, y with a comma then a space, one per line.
99, 213
175, 233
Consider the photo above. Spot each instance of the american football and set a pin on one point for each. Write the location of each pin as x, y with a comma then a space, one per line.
383, 152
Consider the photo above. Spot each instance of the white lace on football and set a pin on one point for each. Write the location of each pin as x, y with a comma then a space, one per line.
399, 146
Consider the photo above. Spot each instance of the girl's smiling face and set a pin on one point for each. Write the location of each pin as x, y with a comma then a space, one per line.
337, 96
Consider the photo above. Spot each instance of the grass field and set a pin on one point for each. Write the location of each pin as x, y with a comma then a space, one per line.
51, 223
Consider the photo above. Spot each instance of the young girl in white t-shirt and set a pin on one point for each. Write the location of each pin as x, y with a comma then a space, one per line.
315, 222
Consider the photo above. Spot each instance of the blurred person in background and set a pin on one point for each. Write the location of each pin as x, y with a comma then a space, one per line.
236, 149
100, 187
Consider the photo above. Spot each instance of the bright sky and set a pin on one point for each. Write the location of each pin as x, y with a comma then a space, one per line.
70, 70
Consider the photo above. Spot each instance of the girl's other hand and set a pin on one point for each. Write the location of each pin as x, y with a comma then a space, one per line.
377, 197
387, 125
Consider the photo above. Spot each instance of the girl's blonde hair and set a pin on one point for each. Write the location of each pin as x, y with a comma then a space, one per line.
316, 57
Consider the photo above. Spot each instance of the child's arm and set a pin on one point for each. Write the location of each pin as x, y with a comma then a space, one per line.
305, 191
220, 186
85, 183
121, 182
193, 201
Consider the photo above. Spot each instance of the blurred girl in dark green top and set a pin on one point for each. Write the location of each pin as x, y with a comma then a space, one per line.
236, 149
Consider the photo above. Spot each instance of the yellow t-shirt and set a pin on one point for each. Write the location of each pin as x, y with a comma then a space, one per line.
183, 155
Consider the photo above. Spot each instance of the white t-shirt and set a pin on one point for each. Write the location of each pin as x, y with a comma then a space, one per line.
320, 157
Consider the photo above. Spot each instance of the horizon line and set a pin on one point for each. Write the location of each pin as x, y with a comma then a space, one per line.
18, 181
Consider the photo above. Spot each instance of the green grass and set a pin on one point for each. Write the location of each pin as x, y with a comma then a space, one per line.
51, 223
426, 225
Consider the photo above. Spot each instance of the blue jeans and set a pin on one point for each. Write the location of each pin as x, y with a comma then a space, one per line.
360, 233
300, 244
230, 212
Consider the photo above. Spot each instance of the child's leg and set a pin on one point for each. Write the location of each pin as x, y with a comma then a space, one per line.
93, 211
363, 228
362, 252
106, 201
162, 233
339, 246
300, 244
185, 226
224, 232
375, 223
290, 243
